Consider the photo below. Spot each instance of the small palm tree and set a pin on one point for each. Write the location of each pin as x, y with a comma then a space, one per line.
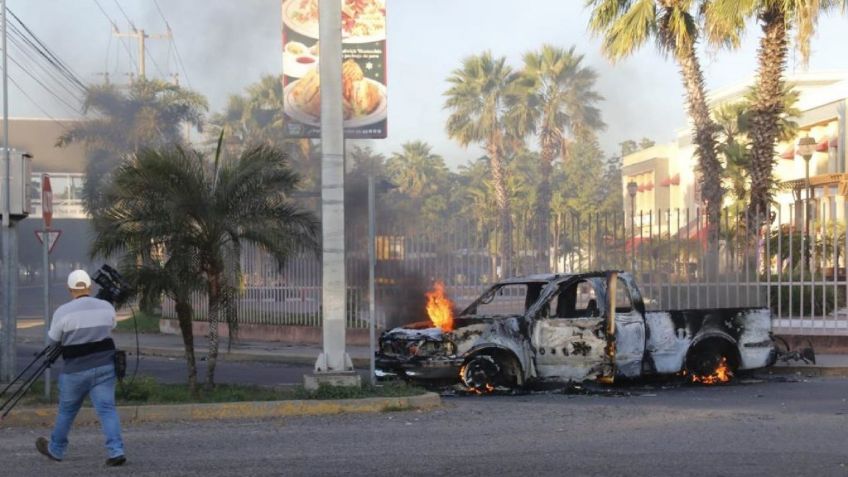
201, 213
555, 97
476, 100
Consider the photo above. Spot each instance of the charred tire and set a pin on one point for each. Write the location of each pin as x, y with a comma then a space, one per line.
486, 371
705, 357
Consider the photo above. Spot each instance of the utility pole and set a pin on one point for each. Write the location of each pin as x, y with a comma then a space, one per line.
141, 37
7, 343
333, 365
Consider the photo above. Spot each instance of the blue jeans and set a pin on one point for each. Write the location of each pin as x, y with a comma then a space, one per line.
99, 384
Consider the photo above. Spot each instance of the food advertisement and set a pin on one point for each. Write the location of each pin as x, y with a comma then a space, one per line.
363, 69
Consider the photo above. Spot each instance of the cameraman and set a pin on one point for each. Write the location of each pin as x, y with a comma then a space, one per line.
83, 326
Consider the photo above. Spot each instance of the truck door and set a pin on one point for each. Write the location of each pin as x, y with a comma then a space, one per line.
629, 333
568, 336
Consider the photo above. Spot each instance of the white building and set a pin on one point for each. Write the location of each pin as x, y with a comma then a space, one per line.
666, 177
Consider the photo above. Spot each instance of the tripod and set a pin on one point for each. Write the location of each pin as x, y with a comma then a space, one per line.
48, 355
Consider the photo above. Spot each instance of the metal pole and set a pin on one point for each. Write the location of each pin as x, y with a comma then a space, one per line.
7, 340
141, 60
633, 234
372, 263
807, 214
45, 255
333, 281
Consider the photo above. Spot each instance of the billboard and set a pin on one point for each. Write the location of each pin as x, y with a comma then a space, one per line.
363, 69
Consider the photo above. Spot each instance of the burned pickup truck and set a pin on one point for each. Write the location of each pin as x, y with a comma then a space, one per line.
575, 327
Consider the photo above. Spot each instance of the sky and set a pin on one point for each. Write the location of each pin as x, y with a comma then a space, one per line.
226, 45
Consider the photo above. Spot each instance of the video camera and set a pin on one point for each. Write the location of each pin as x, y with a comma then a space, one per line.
113, 287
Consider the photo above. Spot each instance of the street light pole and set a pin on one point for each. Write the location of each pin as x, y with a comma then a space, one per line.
806, 147
7, 334
372, 263
632, 188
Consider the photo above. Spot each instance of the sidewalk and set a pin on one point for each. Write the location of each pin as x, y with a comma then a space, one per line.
156, 344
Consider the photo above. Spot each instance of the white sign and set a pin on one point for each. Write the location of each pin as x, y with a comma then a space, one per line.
52, 238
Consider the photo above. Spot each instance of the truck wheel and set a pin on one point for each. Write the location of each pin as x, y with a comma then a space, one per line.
712, 361
480, 374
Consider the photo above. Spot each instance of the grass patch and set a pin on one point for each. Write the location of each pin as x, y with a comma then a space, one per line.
146, 323
145, 390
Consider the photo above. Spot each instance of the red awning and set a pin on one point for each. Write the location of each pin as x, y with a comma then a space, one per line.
641, 188
789, 153
665, 182
675, 180
634, 243
822, 146
649, 186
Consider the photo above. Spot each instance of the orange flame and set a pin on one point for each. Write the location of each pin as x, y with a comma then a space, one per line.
439, 307
722, 374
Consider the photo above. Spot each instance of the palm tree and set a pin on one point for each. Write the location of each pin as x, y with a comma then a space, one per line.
555, 96
735, 121
416, 170
207, 211
626, 26
256, 117
476, 100
725, 23
150, 113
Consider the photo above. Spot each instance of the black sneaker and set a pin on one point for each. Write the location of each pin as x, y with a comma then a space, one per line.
42, 444
116, 461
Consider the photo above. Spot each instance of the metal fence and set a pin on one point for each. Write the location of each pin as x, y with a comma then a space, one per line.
786, 260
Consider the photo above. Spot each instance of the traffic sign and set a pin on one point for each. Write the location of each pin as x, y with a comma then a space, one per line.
52, 237
46, 201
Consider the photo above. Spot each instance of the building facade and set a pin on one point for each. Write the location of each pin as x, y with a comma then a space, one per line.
666, 178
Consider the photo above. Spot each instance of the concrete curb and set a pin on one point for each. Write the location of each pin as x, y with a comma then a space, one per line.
243, 356
45, 417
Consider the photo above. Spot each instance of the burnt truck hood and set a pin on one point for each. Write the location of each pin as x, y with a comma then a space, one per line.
426, 331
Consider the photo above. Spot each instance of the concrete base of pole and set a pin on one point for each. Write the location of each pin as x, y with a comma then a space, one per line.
326, 374
349, 379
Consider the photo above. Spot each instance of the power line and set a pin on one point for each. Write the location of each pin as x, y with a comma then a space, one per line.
155, 2
36, 104
115, 29
44, 51
63, 84
60, 76
41, 83
132, 25
173, 43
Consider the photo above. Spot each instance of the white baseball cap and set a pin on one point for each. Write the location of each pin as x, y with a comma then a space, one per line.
79, 280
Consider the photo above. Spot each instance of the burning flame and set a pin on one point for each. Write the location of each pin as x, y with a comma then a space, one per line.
722, 374
439, 307
486, 389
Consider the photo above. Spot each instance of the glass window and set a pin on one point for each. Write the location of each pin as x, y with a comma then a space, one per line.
77, 183
575, 301
623, 304
512, 299
61, 187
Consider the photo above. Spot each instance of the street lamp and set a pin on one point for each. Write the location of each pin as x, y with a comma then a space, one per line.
806, 148
632, 188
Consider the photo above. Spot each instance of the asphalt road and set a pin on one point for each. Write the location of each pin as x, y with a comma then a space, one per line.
762, 428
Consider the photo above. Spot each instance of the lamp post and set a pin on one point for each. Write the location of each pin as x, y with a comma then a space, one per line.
806, 148
632, 188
